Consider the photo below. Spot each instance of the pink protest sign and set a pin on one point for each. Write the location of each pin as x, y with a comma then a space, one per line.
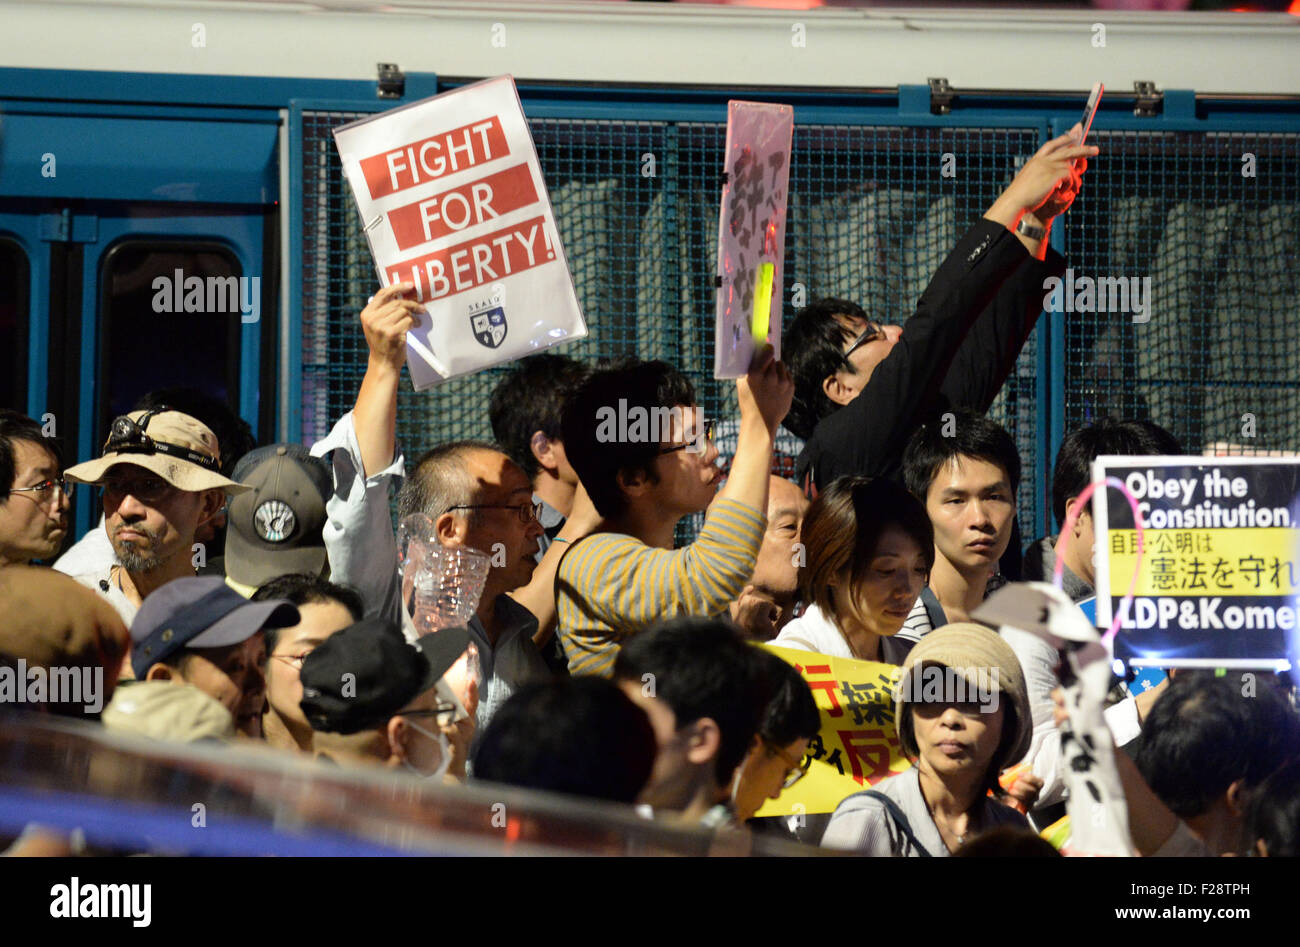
751, 233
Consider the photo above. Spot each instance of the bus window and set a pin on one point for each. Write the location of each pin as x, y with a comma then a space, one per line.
170, 316
15, 280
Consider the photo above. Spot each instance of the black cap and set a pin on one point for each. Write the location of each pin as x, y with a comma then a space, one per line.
360, 677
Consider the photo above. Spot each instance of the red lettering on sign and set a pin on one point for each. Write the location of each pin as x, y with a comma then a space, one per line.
431, 158
873, 751
465, 206
831, 687
464, 266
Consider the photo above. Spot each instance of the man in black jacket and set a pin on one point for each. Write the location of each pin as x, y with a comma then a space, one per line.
956, 350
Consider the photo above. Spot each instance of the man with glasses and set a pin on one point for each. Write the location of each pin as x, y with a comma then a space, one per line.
160, 474
33, 493
644, 478
372, 697
476, 497
863, 387
323, 609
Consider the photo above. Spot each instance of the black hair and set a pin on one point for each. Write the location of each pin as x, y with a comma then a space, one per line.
1006, 841
812, 347
1206, 732
973, 435
530, 399
580, 736
790, 713
440, 480
300, 588
234, 436
15, 426
593, 444
1274, 815
1073, 470
700, 667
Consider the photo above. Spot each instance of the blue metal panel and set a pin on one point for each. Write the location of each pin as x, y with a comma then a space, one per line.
139, 159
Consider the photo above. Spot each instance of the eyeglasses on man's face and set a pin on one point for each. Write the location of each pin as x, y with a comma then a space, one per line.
797, 768
871, 333
444, 714
702, 437
43, 492
528, 512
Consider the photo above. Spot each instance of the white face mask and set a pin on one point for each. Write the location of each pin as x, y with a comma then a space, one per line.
444, 758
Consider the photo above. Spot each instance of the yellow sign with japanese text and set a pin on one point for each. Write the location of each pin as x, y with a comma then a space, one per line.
857, 746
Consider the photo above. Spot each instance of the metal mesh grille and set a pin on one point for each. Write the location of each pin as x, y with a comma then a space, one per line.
870, 219
1220, 349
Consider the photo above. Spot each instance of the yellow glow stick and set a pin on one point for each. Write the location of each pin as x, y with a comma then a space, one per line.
762, 318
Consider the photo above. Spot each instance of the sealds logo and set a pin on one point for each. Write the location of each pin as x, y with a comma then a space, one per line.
103, 900
487, 318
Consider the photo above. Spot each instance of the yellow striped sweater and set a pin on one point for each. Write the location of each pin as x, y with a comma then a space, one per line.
611, 585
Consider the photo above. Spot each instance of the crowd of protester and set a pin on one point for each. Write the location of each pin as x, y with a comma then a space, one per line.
241, 592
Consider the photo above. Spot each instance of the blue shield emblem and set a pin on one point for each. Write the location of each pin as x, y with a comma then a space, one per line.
489, 327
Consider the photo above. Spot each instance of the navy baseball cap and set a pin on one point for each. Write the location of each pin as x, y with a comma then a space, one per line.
200, 613
360, 677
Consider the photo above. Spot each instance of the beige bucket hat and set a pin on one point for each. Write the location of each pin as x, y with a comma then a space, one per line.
178, 448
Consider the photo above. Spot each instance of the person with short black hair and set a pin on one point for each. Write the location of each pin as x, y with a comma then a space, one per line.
869, 549
1208, 743
642, 448
966, 470
1070, 477
777, 756
323, 608
579, 736
1274, 821
698, 681
33, 492
863, 387
525, 411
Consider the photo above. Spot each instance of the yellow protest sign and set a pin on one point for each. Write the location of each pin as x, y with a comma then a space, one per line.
857, 745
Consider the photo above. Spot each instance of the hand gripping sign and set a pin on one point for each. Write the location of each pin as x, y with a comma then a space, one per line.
452, 199
751, 234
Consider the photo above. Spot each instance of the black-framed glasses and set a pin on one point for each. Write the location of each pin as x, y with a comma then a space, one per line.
873, 331
798, 768
146, 489
45, 489
705, 435
444, 714
528, 512
126, 436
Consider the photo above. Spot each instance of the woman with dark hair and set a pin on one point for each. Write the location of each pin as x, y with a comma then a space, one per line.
868, 550
963, 716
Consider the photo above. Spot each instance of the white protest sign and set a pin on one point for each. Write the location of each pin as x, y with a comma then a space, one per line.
452, 199
751, 234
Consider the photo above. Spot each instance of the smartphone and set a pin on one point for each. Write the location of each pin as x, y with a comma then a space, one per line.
1090, 111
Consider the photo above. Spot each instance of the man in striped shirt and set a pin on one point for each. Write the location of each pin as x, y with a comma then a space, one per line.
641, 447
